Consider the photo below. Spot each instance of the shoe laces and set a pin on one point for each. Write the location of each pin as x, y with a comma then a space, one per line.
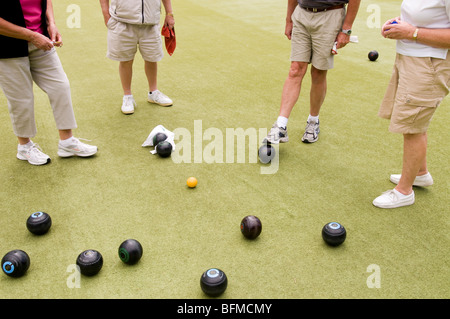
310, 127
34, 149
158, 95
391, 194
76, 141
129, 99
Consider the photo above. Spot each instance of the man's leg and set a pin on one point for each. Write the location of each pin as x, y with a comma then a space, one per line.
291, 92
154, 95
292, 87
151, 71
318, 90
126, 74
316, 98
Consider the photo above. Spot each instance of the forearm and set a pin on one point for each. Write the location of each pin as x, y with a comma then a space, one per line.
352, 11
50, 15
438, 38
14, 31
292, 4
104, 4
167, 6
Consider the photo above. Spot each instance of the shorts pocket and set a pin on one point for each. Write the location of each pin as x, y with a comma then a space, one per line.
111, 23
425, 101
416, 111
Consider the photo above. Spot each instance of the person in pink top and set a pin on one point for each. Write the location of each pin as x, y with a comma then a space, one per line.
28, 36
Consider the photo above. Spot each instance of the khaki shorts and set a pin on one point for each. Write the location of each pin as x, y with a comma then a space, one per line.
416, 88
125, 38
313, 36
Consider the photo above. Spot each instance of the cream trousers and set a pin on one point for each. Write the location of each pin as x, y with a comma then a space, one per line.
16, 80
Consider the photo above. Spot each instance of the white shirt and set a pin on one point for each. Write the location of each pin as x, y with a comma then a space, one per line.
434, 14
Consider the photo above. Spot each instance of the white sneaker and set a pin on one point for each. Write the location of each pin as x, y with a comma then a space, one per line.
32, 154
312, 131
392, 199
421, 181
128, 104
160, 98
75, 148
277, 135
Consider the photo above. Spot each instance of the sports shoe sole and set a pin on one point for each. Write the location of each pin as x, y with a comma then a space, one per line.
281, 140
304, 140
23, 158
127, 112
162, 104
309, 141
64, 153
397, 205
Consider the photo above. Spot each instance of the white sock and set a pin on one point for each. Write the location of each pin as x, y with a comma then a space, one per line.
282, 121
128, 95
315, 119
26, 145
66, 142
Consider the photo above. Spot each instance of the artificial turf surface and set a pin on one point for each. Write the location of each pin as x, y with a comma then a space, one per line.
227, 71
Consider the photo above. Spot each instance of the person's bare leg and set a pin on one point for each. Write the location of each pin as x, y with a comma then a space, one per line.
65, 134
292, 87
414, 161
126, 74
151, 71
23, 140
318, 90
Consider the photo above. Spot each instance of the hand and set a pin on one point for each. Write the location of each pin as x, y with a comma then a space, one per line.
106, 17
400, 31
54, 34
388, 22
342, 40
169, 21
288, 29
41, 41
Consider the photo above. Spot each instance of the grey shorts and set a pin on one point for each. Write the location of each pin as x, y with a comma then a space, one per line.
313, 36
124, 39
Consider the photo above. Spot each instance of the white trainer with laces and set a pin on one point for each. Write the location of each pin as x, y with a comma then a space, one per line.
75, 148
128, 104
393, 199
311, 134
159, 98
33, 154
277, 135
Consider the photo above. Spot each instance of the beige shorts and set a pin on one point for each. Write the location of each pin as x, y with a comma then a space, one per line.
125, 38
313, 36
416, 88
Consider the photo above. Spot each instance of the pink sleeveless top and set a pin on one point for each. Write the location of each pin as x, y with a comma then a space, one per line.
32, 12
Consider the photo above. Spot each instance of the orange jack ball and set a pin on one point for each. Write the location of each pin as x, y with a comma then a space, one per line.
191, 182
